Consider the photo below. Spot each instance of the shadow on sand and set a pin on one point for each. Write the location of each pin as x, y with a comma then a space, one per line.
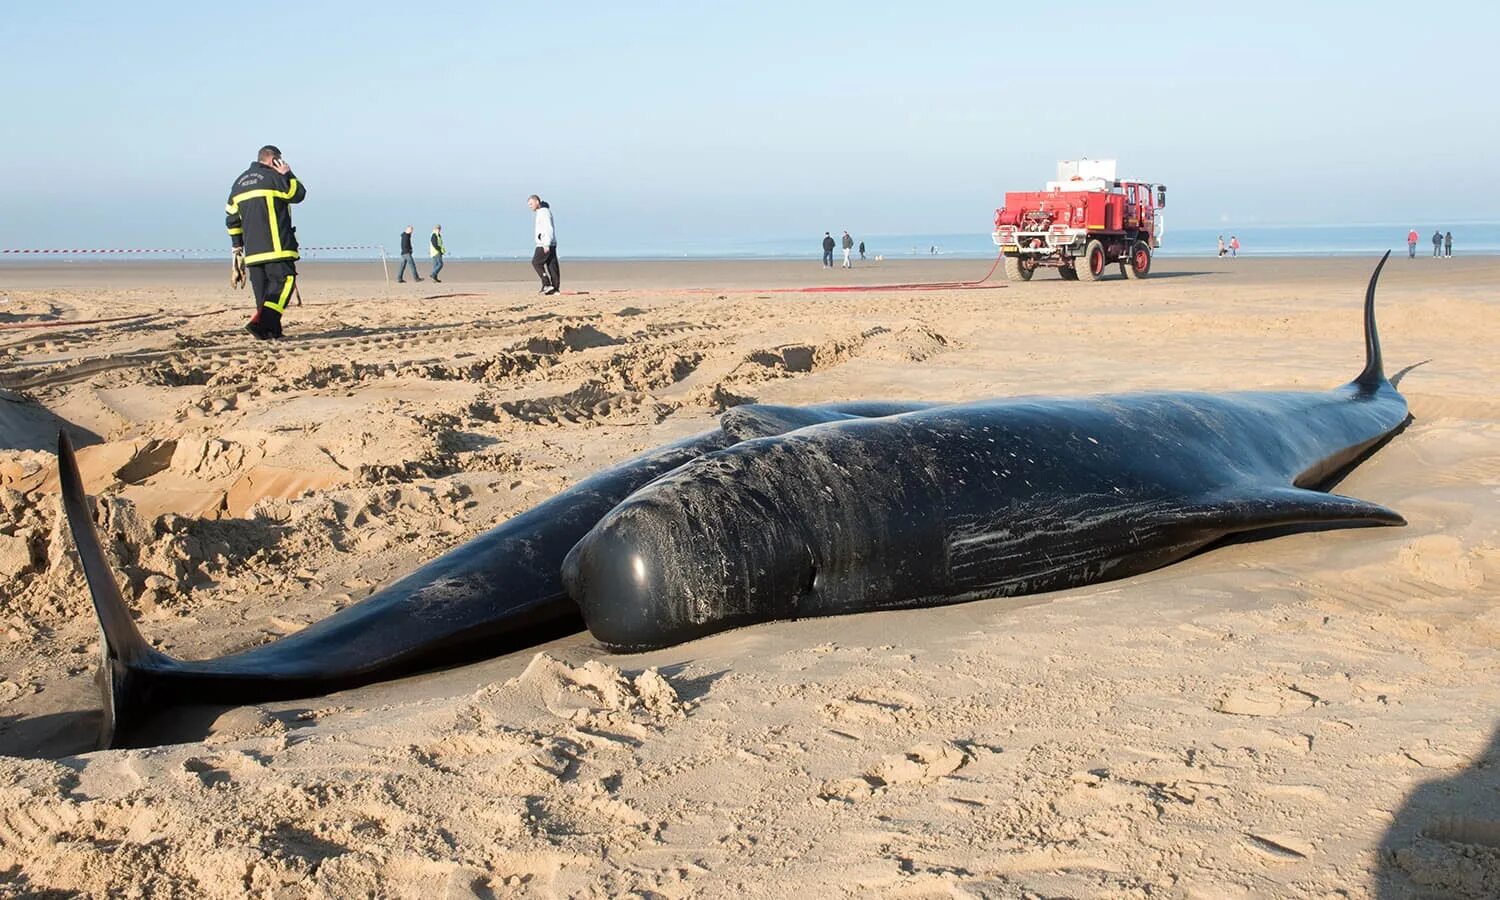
1445, 839
1193, 273
50, 735
27, 425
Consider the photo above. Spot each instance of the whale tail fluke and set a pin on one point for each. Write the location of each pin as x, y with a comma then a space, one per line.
128, 662
1374, 374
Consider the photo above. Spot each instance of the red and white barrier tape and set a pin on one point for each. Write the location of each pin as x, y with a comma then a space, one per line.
224, 250
80, 252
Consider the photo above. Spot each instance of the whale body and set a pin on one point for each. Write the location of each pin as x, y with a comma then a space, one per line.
986, 499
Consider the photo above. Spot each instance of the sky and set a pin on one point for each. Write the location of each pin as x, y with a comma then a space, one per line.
658, 124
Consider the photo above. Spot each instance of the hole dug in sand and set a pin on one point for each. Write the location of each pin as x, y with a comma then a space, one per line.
199, 477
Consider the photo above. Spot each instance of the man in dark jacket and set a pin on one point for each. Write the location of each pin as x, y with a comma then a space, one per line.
406, 258
827, 250
1437, 243
259, 219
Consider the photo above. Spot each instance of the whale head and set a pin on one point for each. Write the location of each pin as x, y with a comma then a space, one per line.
815, 523
685, 556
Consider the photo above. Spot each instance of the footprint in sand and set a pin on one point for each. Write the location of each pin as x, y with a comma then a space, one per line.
1429, 757
925, 762
1442, 560
872, 707
1267, 700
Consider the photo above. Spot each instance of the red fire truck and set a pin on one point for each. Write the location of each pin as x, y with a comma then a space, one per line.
1080, 223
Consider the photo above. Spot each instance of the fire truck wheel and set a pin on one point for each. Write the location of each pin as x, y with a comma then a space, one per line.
1068, 273
1090, 266
1017, 269
1138, 264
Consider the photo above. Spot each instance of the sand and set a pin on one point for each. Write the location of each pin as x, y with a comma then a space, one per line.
1306, 715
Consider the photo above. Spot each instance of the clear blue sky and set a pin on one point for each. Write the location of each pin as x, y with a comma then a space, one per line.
650, 123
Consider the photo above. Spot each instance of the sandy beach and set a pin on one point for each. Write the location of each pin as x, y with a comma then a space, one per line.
1306, 715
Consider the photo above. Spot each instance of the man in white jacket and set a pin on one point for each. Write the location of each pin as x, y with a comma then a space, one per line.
544, 258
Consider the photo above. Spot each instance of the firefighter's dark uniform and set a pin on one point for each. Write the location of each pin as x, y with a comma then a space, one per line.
260, 223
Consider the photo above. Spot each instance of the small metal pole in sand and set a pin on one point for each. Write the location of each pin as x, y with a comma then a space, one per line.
384, 266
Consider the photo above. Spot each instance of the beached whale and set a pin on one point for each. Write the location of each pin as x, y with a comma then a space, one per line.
984, 499
500, 592
786, 512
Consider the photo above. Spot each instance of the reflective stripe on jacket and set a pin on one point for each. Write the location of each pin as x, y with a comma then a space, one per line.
435, 245
258, 215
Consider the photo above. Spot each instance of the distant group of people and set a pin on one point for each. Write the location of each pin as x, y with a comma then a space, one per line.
258, 218
543, 257
1231, 249
435, 249
847, 243
1442, 243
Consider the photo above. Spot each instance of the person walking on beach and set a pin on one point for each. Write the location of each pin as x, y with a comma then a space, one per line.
1222, 249
827, 250
1437, 244
1448, 244
435, 249
258, 217
406, 258
544, 257
1411, 244
848, 244
1234, 247
861, 249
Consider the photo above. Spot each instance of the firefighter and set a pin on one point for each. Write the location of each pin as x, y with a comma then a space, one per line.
260, 227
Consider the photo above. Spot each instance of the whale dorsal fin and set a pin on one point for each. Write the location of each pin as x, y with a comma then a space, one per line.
1374, 374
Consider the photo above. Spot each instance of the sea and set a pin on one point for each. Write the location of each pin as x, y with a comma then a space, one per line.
1255, 240
1469, 238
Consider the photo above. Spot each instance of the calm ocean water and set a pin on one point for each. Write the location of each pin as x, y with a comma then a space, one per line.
1255, 240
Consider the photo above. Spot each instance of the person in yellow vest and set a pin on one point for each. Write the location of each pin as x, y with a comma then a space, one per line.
259, 219
435, 249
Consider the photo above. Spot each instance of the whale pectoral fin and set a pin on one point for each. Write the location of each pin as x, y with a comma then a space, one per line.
1255, 508
757, 420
